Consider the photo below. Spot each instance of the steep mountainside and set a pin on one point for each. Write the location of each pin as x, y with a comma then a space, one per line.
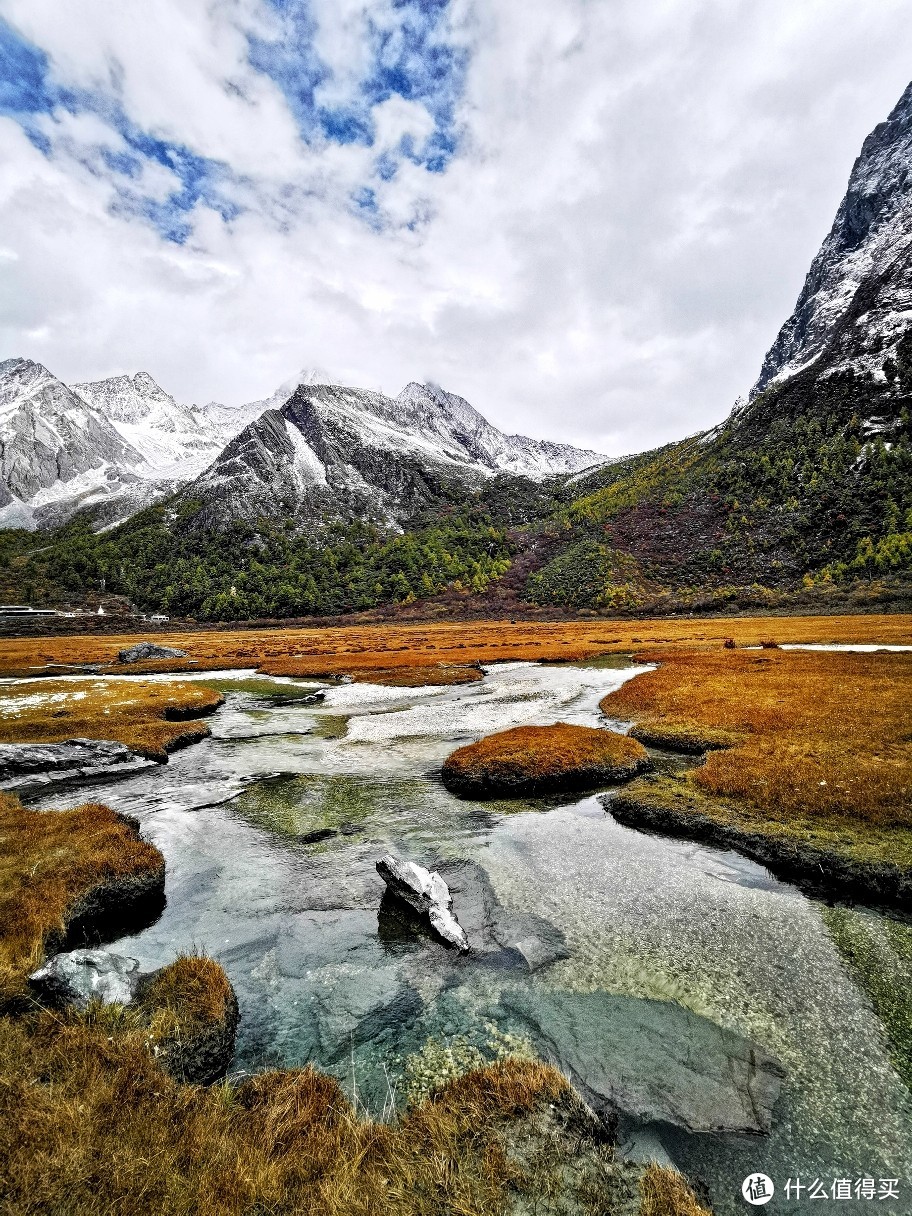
810, 481
340, 453
857, 300
52, 442
177, 441
113, 446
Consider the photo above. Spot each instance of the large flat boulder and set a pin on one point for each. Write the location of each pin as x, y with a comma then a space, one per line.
28, 766
652, 1061
149, 650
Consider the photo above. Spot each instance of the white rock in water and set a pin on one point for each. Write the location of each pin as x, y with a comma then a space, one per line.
425, 892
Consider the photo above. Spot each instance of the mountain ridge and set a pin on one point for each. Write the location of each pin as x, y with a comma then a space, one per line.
340, 500
127, 443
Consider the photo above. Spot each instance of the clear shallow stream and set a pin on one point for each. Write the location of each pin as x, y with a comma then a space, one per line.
322, 978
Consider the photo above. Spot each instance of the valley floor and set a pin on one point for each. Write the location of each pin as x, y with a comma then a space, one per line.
806, 755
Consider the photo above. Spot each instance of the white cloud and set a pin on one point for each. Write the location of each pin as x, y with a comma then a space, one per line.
638, 193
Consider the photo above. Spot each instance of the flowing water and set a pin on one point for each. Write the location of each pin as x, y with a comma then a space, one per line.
271, 830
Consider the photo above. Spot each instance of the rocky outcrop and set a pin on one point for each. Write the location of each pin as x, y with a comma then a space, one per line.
529, 760
425, 892
149, 650
81, 976
853, 309
652, 1061
25, 767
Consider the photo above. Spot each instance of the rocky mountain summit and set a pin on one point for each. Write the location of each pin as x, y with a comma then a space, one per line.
114, 446
335, 452
856, 302
49, 438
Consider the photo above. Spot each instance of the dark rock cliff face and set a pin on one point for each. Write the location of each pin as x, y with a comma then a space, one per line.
860, 283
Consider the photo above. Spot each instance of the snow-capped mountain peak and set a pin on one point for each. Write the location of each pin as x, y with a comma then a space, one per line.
857, 299
452, 416
337, 452
118, 444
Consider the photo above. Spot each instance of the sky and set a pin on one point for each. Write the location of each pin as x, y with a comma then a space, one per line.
588, 217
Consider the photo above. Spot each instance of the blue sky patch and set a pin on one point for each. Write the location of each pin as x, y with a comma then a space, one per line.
408, 56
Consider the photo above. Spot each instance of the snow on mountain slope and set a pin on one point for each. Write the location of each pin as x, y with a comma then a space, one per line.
175, 441
50, 437
459, 427
114, 445
119, 444
337, 452
857, 300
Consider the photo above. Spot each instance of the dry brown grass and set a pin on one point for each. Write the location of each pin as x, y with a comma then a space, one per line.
542, 758
191, 992
148, 716
48, 862
819, 742
89, 1124
666, 1193
353, 650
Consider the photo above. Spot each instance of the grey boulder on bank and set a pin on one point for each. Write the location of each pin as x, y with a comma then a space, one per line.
149, 650
81, 976
425, 892
198, 1051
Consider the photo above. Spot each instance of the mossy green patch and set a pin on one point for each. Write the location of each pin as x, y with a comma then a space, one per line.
301, 805
854, 839
878, 954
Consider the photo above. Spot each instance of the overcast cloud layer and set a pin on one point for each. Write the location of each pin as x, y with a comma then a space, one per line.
589, 217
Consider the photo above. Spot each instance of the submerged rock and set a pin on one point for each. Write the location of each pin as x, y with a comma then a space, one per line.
149, 650
652, 1061
501, 937
78, 977
425, 892
529, 760
317, 835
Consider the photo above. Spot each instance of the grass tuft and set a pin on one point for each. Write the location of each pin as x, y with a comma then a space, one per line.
665, 1192
531, 759
51, 862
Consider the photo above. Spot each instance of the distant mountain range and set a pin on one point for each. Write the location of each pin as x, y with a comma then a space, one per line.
114, 446
324, 499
